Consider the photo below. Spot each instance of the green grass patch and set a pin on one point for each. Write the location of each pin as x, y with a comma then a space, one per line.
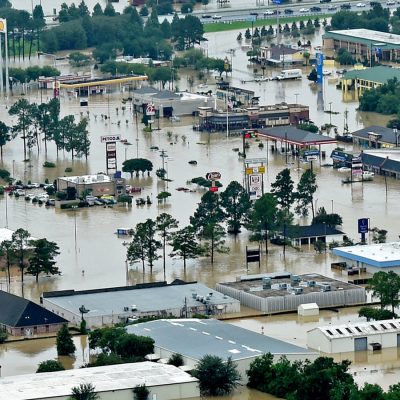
230, 26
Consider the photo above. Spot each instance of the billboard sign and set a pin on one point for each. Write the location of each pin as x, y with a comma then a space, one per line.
320, 67
311, 153
110, 138
150, 109
111, 157
213, 176
363, 225
255, 186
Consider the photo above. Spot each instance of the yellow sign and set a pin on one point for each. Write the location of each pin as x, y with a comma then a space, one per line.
3, 25
255, 170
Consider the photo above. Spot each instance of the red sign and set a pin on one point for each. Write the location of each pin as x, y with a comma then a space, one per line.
213, 189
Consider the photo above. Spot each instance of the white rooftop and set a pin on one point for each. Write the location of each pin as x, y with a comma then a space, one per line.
368, 34
192, 96
360, 328
377, 255
309, 306
391, 154
108, 378
87, 179
6, 234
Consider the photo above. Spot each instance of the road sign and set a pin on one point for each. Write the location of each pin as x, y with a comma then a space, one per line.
311, 153
312, 158
255, 186
363, 225
255, 170
213, 176
255, 160
110, 138
214, 189
150, 109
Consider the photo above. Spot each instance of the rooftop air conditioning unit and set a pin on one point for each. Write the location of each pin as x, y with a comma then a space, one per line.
311, 283
326, 288
194, 295
133, 307
266, 283
283, 286
126, 308
298, 290
295, 278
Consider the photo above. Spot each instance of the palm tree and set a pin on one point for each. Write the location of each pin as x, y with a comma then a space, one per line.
85, 391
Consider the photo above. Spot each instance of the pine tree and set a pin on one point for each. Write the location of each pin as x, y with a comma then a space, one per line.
65, 344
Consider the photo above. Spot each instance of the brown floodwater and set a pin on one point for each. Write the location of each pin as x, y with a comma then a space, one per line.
101, 255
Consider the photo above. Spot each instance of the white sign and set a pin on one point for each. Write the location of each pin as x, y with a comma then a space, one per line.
110, 138
312, 158
150, 109
255, 186
255, 160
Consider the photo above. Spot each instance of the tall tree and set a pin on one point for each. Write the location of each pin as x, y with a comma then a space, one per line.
236, 204
306, 188
23, 111
38, 23
386, 286
283, 189
42, 260
136, 249
4, 136
97, 10
147, 231
137, 165
184, 244
165, 223
7, 249
65, 344
206, 220
263, 218
20, 240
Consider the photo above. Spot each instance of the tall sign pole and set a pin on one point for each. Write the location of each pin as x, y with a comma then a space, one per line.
1, 68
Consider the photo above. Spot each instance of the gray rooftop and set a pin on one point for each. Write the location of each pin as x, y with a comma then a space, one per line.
214, 337
108, 378
146, 298
255, 286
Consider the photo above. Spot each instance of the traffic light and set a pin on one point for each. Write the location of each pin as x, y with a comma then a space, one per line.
250, 134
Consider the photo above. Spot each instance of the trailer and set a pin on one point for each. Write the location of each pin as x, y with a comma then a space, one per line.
289, 74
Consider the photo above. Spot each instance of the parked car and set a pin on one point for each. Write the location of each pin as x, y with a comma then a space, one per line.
324, 1
205, 16
269, 12
360, 5
19, 192
332, 8
304, 10
288, 11
216, 17
390, 3
346, 6
315, 9
33, 185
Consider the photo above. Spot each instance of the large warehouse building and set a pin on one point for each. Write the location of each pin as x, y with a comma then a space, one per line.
113, 305
111, 382
195, 338
281, 292
355, 336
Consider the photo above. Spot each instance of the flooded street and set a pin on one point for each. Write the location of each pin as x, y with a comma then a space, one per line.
100, 253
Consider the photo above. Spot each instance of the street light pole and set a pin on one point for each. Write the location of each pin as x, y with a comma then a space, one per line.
330, 114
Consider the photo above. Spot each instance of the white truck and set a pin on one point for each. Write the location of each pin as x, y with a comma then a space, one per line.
289, 74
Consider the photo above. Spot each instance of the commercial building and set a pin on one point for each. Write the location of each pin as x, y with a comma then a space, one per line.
113, 305
22, 317
282, 55
363, 44
195, 338
282, 292
168, 103
377, 137
360, 80
97, 185
356, 336
309, 234
384, 162
373, 257
252, 117
112, 382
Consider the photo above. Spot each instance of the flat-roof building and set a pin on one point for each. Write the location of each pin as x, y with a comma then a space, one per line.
281, 292
96, 184
113, 305
356, 336
363, 44
195, 338
110, 382
373, 257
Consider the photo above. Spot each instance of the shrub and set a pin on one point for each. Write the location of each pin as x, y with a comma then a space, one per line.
1, 190
68, 169
141, 392
61, 195
4, 174
124, 198
50, 366
3, 336
48, 164
65, 345
176, 360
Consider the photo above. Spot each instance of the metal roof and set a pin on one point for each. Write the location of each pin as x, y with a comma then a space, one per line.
293, 135
360, 328
18, 312
145, 298
307, 231
367, 37
387, 134
378, 255
104, 379
194, 338
380, 74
